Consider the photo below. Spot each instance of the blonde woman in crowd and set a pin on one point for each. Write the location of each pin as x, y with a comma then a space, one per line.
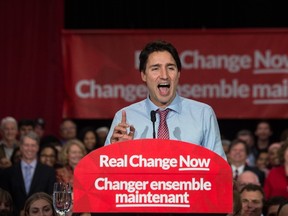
39, 204
72, 152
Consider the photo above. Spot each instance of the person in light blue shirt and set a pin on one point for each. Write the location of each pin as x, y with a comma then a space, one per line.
188, 120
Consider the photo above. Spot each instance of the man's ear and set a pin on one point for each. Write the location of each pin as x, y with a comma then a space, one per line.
143, 76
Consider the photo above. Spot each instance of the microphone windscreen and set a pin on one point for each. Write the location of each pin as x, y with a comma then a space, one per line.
153, 115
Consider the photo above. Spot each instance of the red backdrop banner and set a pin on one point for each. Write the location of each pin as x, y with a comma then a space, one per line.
240, 73
131, 177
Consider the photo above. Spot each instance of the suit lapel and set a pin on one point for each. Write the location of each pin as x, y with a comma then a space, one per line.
19, 175
35, 178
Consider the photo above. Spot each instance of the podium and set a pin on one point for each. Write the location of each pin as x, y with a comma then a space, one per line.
153, 175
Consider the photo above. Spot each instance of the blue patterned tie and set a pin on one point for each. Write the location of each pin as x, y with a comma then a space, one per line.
27, 177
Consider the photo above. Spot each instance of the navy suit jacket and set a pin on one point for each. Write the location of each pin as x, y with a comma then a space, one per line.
43, 180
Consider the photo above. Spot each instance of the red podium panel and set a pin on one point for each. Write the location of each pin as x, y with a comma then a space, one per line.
152, 175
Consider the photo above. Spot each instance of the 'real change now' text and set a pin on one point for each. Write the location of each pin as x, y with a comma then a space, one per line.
183, 162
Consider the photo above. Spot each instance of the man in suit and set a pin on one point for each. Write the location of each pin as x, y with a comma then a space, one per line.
8, 131
21, 185
238, 152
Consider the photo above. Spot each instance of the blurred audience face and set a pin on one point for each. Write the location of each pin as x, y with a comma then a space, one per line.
237, 154
40, 207
273, 158
102, 133
262, 160
29, 148
249, 139
25, 129
225, 145
48, 156
90, 140
252, 203
68, 130
247, 177
75, 154
9, 130
39, 130
6, 203
263, 131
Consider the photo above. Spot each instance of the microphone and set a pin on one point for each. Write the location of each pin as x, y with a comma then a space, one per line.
153, 119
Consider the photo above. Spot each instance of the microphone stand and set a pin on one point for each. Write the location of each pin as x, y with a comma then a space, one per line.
153, 119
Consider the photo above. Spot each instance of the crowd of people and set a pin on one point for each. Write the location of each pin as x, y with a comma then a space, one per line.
32, 161
259, 166
260, 170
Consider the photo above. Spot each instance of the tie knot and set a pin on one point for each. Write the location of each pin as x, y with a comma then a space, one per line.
28, 167
163, 113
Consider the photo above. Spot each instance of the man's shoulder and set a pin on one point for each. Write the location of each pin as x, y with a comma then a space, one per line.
194, 103
134, 106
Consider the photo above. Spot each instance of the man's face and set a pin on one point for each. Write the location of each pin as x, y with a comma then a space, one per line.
263, 131
161, 77
68, 130
252, 203
29, 149
25, 129
9, 131
238, 154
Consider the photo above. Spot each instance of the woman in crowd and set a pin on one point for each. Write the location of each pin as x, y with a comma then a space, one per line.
276, 181
72, 152
48, 155
39, 203
6, 203
273, 156
89, 138
262, 162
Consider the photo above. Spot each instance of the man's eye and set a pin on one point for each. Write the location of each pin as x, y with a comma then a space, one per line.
171, 68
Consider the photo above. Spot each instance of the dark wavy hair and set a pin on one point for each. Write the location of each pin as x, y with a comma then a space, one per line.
155, 46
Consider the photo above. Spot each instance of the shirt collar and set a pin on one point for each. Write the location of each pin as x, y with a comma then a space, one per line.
175, 105
32, 164
240, 169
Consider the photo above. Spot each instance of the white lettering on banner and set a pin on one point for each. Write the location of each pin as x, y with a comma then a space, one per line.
152, 193
264, 62
232, 63
89, 89
275, 93
105, 161
223, 89
268, 63
132, 186
164, 163
149, 199
184, 162
135, 198
189, 163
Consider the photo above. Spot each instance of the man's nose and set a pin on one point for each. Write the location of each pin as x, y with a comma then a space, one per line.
164, 73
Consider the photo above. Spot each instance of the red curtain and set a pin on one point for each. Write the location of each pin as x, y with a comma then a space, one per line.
31, 77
